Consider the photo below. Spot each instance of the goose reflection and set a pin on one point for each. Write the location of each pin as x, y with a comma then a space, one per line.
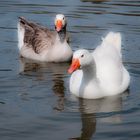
44, 71
100, 110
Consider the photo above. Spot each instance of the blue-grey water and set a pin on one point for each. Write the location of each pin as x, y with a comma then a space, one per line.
35, 102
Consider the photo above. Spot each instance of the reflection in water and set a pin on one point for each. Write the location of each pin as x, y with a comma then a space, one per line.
54, 71
88, 127
103, 110
58, 89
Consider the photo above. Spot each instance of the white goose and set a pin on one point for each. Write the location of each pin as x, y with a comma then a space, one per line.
101, 73
39, 43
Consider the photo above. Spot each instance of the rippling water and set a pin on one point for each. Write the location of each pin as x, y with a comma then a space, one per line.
35, 102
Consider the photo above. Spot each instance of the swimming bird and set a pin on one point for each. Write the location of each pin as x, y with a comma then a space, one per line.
100, 73
39, 43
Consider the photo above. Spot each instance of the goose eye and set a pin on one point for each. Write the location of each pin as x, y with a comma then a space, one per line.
82, 55
63, 18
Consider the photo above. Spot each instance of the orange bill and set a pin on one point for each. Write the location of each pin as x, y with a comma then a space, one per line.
74, 66
59, 25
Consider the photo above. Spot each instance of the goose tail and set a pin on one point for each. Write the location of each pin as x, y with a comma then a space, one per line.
113, 39
21, 32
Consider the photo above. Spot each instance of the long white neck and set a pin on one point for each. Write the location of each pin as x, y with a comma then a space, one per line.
89, 71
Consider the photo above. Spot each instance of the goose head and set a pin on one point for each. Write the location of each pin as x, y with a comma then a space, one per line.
60, 22
81, 59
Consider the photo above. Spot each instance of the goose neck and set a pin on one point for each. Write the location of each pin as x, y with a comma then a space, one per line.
62, 34
89, 71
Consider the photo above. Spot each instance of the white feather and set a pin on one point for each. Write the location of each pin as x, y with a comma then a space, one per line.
20, 36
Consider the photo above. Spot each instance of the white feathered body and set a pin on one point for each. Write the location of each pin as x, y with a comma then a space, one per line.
110, 76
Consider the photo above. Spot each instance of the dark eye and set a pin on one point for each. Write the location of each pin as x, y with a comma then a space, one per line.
82, 55
63, 18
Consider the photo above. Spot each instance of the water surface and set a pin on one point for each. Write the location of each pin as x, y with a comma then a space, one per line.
35, 102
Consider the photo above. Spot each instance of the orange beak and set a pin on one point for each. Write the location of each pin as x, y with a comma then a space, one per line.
58, 25
74, 66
